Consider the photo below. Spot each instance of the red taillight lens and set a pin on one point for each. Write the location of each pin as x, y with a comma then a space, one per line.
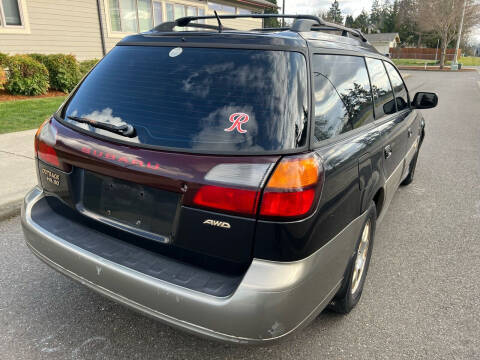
45, 138
291, 191
47, 153
287, 204
292, 188
228, 199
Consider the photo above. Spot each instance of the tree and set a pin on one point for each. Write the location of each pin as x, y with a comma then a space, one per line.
407, 22
334, 14
271, 23
442, 17
349, 21
375, 14
389, 21
361, 22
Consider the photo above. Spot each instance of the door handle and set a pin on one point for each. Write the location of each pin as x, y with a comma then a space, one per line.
410, 132
388, 151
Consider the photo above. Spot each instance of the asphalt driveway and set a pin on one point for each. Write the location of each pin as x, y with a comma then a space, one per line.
421, 298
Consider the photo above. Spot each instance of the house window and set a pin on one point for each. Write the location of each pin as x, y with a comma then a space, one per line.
244, 11
130, 15
176, 11
157, 12
10, 13
221, 8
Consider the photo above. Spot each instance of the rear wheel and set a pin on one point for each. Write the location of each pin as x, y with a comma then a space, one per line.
411, 173
352, 287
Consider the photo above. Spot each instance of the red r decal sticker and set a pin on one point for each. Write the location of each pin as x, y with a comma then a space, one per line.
237, 120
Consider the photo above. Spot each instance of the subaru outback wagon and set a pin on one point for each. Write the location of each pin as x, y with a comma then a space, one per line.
226, 182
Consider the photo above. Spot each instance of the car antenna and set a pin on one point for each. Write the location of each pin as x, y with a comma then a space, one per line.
220, 26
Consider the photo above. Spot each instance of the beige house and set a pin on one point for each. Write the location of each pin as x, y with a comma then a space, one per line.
384, 41
90, 28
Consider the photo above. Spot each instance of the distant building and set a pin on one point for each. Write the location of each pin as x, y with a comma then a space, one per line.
383, 42
89, 28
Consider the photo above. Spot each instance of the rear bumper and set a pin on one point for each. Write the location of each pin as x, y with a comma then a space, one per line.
272, 300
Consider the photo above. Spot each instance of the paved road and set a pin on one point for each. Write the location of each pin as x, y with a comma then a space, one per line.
421, 299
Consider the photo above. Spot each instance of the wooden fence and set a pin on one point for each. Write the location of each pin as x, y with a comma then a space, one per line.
421, 53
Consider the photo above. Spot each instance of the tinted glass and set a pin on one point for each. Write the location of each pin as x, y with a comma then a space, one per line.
381, 88
350, 77
213, 100
401, 94
331, 115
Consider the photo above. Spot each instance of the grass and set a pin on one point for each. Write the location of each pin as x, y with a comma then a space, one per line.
26, 114
413, 62
465, 61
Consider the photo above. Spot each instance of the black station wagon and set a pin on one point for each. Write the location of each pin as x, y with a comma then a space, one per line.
226, 182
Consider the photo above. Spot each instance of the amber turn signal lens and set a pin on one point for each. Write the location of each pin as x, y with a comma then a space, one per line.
295, 173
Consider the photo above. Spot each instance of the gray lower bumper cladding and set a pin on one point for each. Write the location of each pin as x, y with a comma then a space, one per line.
272, 300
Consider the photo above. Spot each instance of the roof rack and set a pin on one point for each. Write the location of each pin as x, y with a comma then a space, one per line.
302, 23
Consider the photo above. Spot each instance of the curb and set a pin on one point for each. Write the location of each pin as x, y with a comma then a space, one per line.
421, 68
10, 209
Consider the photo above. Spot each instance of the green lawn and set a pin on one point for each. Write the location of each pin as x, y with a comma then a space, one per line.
413, 62
26, 114
465, 61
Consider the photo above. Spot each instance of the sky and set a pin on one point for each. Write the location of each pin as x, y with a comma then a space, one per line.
348, 7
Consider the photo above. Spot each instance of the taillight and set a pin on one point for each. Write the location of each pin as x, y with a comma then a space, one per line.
235, 188
291, 191
293, 187
45, 139
238, 201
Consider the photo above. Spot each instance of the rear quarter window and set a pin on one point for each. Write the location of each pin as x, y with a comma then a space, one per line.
199, 99
343, 98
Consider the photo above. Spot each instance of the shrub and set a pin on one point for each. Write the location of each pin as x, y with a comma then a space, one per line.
3, 60
86, 65
26, 76
63, 70
3, 77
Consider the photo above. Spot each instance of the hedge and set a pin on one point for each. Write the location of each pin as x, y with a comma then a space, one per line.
26, 76
87, 65
3, 60
64, 71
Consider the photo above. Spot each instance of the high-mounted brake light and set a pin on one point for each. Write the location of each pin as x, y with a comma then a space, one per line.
293, 187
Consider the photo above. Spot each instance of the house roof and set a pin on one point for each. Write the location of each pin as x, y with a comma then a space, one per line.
385, 37
262, 3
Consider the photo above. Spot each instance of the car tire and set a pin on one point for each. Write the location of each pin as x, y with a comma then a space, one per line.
411, 172
354, 279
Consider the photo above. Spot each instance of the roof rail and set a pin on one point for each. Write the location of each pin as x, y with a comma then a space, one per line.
302, 23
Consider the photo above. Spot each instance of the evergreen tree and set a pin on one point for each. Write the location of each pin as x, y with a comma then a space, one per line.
349, 21
375, 14
334, 14
389, 17
361, 22
271, 23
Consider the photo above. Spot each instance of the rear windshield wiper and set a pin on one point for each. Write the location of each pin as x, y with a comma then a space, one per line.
124, 130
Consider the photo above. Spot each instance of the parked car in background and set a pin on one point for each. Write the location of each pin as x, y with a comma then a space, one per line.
228, 183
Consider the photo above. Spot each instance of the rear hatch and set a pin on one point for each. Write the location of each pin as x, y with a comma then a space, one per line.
205, 129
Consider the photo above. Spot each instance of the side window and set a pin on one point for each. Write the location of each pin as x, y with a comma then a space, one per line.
401, 93
381, 88
331, 115
349, 77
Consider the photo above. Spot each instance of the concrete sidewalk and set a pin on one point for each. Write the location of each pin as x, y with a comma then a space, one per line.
17, 170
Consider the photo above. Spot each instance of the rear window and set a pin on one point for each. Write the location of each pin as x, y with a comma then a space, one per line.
197, 99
